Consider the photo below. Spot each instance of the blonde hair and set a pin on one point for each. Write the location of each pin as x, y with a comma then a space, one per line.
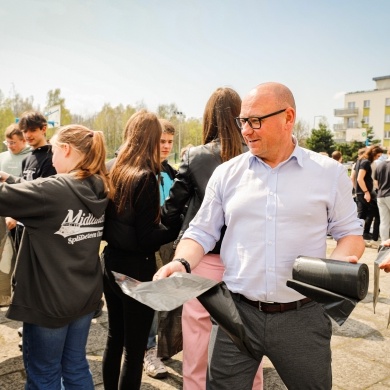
90, 145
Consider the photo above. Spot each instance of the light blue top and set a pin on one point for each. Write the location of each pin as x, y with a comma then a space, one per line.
165, 185
274, 215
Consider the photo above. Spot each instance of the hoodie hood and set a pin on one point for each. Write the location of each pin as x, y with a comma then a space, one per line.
90, 192
24, 151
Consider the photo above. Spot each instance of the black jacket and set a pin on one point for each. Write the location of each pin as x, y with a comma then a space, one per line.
38, 164
196, 168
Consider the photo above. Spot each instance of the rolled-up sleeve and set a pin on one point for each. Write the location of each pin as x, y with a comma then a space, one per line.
342, 212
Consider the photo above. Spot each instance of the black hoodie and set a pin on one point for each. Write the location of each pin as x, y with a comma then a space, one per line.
58, 276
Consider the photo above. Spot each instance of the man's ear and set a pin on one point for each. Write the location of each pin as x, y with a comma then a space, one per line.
44, 128
290, 117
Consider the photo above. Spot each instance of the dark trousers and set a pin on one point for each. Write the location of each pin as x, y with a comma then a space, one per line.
128, 327
369, 212
297, 342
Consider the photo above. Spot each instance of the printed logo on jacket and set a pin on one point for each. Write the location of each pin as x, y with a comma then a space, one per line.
80, 225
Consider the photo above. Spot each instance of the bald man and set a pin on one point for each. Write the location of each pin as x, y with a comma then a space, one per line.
278, 201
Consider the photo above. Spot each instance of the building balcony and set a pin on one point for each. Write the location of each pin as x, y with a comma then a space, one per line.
340, 140
346, 112
339, 127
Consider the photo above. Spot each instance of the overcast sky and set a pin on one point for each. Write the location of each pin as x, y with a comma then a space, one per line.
180, 51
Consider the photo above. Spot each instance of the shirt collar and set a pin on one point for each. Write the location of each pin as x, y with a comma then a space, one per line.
297, 154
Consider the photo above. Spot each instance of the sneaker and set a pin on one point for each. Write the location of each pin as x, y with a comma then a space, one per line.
153, 365
20, 331
374, 244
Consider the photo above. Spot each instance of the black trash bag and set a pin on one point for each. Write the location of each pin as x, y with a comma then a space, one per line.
336, 285
219, 303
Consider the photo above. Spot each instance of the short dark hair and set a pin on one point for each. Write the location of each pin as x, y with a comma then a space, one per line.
12, 130
167, 127
32, 120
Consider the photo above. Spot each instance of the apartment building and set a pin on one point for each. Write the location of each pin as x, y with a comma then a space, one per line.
362, 109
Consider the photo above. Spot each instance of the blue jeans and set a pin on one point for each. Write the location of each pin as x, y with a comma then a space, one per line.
152, 342
55, 358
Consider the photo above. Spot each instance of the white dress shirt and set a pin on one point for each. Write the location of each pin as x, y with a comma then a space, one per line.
272, 216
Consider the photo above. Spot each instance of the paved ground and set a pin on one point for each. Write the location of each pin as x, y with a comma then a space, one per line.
361, 348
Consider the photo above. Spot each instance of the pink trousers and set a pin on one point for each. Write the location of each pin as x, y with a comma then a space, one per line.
196, 326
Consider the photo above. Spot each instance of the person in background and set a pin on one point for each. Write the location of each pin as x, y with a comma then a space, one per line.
263, 199
382, 179
366, 197
221, 142
133, 234
57, 284
336, 155
39, 164
11, 160
153, 365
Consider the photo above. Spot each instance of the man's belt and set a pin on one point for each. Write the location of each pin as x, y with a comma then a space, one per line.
275, 307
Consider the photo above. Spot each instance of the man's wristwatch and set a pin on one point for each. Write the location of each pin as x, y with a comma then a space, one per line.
185, 263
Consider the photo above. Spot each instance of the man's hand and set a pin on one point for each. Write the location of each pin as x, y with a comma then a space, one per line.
386, 243
3, 176
10, 222
169, 269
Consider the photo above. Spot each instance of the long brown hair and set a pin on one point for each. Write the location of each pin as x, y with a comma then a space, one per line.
139, 154
90, 145
219, 123
371, 152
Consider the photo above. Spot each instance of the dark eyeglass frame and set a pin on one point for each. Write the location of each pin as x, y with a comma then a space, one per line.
241, 121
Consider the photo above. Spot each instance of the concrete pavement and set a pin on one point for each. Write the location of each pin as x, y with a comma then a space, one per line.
361, 348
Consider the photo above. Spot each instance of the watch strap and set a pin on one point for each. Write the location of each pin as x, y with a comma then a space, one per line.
185, 263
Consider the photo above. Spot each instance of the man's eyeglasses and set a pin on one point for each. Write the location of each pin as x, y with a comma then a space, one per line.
255, 121
9, 143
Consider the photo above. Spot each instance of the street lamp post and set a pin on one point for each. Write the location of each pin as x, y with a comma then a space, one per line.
181, 116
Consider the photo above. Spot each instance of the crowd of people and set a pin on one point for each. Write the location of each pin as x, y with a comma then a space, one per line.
234, 212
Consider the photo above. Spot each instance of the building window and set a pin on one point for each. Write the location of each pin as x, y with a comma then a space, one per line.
387, 102
387, 134
366, 104
351, 104
387, 118
366, 120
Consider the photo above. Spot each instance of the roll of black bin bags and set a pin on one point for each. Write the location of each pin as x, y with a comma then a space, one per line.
336, 285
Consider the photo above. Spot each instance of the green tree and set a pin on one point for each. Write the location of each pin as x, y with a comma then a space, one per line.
301, 132
370, 135
321, 140
7, 117
168, 111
